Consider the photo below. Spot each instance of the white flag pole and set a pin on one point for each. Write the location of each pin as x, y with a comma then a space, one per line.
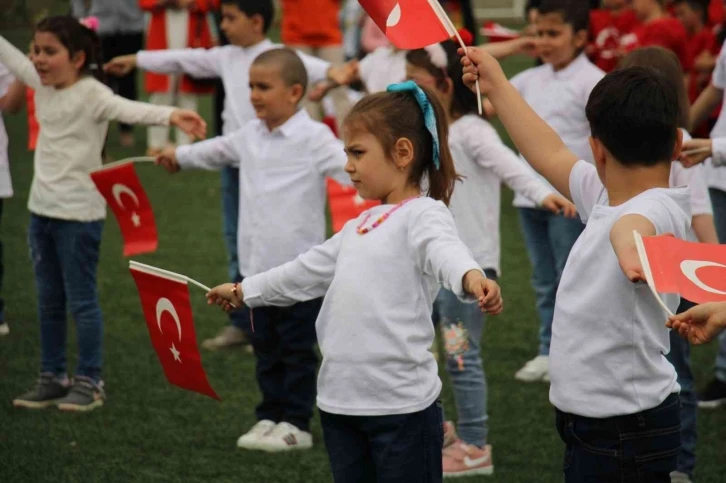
166, 273
135, 159
442, 14
647, 271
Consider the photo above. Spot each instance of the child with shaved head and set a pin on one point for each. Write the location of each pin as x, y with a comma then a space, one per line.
283, 158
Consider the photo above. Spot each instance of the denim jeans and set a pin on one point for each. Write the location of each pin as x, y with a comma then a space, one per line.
718, 200
284, 342
549, 239
461, 326
636, 448
680, 357
385, 449
230, 212
65, 260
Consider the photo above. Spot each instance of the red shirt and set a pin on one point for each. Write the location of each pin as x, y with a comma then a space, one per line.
606, 31
716, 12
666, 32
311, 23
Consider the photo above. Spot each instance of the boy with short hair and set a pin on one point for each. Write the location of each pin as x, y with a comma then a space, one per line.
284, 158
615, 393
245, 23
658, 28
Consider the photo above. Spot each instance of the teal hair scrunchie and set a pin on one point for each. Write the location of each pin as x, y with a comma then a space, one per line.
426, 108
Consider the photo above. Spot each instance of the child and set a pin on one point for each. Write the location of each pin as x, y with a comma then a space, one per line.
245, 23
614, 391
6, 185
284, 158
658, 28
557, 91
484, 162
378, 385
67, 211
607, 27
701, 323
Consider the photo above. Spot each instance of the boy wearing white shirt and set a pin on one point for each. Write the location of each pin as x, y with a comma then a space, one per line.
6, 186
284, 158
614, 391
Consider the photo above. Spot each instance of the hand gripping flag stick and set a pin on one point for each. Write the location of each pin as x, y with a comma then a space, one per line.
647, 271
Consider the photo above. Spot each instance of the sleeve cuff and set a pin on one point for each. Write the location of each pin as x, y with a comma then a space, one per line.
184, 156
718, 150
458, 286
252, 293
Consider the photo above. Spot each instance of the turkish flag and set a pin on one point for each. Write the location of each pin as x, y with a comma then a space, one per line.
696, 271
123, 192
410, 24
168, 314
345, 204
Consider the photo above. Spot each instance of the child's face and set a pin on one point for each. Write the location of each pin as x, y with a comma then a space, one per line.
53, 62
240, 29
559, 44
614, 4
643, 8
273, 100
371, 170
690, 18
424, 78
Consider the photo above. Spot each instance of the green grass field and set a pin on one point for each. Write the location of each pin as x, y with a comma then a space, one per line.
151, 431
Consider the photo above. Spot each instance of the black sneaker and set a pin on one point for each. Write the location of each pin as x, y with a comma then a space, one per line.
49, 390
85, 395
713, 395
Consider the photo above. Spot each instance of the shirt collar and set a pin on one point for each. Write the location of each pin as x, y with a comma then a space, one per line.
571, 69
292, 125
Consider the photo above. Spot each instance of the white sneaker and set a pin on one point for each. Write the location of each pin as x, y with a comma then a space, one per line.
538, 369
285, 437
251, 439
4, 329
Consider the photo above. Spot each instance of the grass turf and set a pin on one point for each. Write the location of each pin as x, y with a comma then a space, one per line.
151, 431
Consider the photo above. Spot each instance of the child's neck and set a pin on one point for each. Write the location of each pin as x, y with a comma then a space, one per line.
616, 11
696, 28
401, 194
564, 66
68, 83
252, 42
625, 183
274, 123
656, 12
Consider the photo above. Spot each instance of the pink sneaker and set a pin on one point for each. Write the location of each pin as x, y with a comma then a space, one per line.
450, 436
461, 459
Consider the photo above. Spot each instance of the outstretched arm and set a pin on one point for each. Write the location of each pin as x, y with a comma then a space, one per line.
621, 238
701, 323
18, 64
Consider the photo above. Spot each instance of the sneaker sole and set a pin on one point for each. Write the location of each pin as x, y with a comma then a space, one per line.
19, 403
80, 409
544, 378
281, 449
486, 471
716, 403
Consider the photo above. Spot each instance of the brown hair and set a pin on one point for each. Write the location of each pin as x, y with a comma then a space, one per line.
390, 116
665, 62
292, 69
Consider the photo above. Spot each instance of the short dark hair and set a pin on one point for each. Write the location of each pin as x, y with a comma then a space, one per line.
574, 12
701, 6
291, 66
264, 8
634, 113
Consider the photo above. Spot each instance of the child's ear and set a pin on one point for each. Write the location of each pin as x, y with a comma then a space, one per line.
258, 23
679, 144
297, 92
580, 38
78, 59
403, 153
599, 155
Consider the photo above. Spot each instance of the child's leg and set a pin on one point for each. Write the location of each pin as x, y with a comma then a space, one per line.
269, 371
2, 271
230, 214
718, 200
51, 294
348, 449
158, 136
185, 101
407, 447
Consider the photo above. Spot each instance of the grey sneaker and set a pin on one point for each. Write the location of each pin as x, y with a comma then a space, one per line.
4, 328
230, 336
46, 393
85, 395
678, 477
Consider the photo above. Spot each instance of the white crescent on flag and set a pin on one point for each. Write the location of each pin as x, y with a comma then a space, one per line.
118, 189
165, 305
394, 17
689, 267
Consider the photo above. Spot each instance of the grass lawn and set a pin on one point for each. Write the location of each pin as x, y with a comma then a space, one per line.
151, 431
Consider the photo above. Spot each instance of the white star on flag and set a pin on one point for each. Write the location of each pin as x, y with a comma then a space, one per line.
136, 219
175, 352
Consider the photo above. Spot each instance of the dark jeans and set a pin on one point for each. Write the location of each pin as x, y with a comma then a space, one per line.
680, 357
65, 259
2, 271
636, 448
284, 343
122, 44
718, 200
385, 449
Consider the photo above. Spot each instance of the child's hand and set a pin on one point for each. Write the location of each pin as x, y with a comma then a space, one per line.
190, 122
486, 291
167, 160
479, 65
705, 147
701, 323
344, 74
319, 90
121, 65
228, 296
557, 204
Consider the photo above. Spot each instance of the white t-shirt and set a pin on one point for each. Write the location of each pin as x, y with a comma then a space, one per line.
560, 98
6, 184
382, 67
609, 338
375, 328
717, 177
484, 162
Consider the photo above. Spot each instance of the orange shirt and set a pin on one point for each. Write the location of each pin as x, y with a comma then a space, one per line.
312, 23
33, 127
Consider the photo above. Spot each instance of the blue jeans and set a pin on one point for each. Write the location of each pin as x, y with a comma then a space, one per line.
385, 449
718, 200
230, 213
549, 239
636, 448
461, 326
65, 260
680, 357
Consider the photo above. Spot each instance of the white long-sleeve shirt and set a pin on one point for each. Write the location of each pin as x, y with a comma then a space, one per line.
232, 65
484, 161
375, 328
6, 184
73, 125
717, 177
282, 185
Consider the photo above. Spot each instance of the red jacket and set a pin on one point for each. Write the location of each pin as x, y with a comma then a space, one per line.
198, 36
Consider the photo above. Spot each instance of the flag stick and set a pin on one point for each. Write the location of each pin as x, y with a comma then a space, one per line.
647, 271
136, 159
442, 13
696, 151
168, 274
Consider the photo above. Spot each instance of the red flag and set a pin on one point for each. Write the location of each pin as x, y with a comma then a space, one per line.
345, 204
410, 24
696, 271
168, 314
123, 192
